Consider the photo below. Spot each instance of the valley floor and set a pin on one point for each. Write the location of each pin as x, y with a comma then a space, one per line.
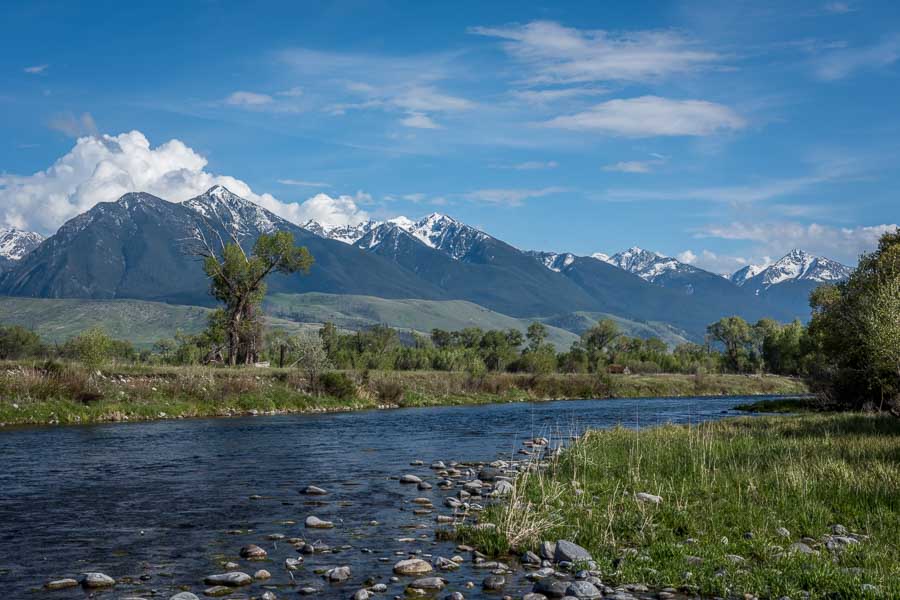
768, 507
33, 394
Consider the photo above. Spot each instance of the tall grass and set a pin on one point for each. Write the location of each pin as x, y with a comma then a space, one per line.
727, 488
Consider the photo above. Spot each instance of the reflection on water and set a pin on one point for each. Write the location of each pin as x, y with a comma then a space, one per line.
156, 499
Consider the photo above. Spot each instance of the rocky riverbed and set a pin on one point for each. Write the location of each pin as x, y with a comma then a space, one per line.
276, 507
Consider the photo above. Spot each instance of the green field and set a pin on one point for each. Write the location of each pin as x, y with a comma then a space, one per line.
142, 323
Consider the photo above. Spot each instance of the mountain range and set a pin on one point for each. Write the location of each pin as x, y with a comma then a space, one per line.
143, 247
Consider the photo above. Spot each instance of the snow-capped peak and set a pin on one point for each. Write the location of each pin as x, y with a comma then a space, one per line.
796, 265
600, 256
348, 234
554, 261
15, 243
645, 264
219, 205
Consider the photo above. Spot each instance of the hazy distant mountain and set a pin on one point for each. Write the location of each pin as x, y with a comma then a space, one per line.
788, 282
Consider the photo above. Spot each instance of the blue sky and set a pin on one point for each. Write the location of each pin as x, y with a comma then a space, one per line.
722, 133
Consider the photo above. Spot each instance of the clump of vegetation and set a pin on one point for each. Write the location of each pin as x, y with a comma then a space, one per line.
738, 498
338, 385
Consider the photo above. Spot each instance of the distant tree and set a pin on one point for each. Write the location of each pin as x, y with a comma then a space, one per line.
238, 281
17, 342
536, 334
311, 357
597, 340
734, 333
92, 347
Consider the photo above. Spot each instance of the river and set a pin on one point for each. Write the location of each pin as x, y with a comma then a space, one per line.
159, 502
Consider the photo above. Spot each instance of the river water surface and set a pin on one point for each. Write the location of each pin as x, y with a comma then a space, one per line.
156, 501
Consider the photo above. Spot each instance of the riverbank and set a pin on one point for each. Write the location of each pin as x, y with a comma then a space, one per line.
60, 393
765, 506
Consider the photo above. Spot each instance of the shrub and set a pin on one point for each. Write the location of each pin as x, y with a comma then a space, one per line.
389, 391
338, 385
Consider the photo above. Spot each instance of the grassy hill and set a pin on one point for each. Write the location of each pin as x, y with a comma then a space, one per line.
140, 322
579, 322
356, 312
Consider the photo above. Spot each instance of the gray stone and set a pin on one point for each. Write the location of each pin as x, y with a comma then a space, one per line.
839, 530
338, 574
308, 591
312, 490
534, 596
493, 582
97, 580
503, 488
455, 596
184, 596
530, 558
648, 498
570, 552
410, 479
231, 579
552, 588
362, 594
583, 589
293, 564
60, 584
783, 532
801, 548
424, 485
412, 566
253, 552
317, 523
489, 474
428, 583
217, 590
261, 575
268, 595
547, 550
379, 588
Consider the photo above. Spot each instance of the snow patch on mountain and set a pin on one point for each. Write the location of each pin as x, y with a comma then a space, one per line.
796, 265
554, 261
219, 206
647, 265
15, 243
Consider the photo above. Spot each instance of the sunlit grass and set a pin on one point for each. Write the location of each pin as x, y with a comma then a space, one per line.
727, 488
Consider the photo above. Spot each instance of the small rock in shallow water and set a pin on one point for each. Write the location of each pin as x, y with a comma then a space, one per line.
362, 594
338, 574
410, 479
184, 596
493, 582
268, 595
317, 523
232, 579
262, 574
292, 564
308, 591
552, 588
60, 584
428, 583
503, 488
313, 490
547, 550
217, 590
424, 485
253, 552
455, 596
97, 580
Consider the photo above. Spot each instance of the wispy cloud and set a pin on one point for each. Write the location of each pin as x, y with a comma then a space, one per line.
843, 62
542, 97
242, 98
738, 194
36, 69
419, 121
511, 197
74, 126
301, 183
529, 165
636, 166
839, 8
649, 116
776, 238
558, 54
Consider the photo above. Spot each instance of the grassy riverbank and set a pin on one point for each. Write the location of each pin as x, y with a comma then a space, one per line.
65, 393
727, 489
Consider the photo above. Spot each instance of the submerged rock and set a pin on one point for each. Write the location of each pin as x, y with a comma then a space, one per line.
428, 583
97, 580
410, 479
253, 552
312, 490
317, 523
60, 584
231, 579
184, 596
493, 582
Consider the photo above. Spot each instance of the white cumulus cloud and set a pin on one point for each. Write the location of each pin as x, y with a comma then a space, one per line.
104, 167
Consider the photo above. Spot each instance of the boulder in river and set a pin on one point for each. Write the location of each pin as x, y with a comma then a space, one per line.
317, 523
412, 566
338, 574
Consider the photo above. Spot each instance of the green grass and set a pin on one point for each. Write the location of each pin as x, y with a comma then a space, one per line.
139, 322
726, 487
33, 393
782, 405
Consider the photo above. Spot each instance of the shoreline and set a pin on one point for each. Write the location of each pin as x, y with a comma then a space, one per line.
140, 395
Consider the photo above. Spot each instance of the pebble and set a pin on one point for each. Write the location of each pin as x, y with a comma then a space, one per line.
293, 564
428, 583
503, 488
268, 595
455, 596
648, 498
317, 523
184, 596
801, 548
308, 591
410, 479
217, 590
547, 550
362, 594
233, 579
97, 580
312, 490
783, 532
262, 574
60, 584
552, 588
424, 485
583, 589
